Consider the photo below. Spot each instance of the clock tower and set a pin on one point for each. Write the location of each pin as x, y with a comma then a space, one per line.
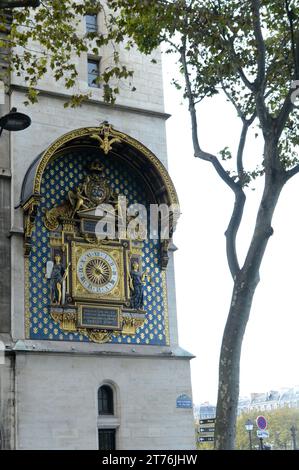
92, 359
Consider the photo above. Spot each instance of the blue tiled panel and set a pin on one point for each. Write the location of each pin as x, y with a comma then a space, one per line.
61, 175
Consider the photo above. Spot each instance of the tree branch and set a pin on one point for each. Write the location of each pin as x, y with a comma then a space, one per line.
260, 81
234, 103
288, 105
261, 51
294, 46
244, 79
240, 198
232, 230
240, 71
198, 152
246, 124
284, 113
176, 48
240, 167
294, 171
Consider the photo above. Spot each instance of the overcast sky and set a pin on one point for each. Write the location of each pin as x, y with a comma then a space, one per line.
270, 348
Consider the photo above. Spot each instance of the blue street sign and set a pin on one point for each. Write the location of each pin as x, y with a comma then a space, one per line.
183, 401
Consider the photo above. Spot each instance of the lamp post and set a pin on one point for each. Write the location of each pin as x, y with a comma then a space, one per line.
293, 432
14, 121
19, 3
249, 428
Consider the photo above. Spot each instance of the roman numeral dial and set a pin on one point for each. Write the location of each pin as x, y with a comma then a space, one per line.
97, 271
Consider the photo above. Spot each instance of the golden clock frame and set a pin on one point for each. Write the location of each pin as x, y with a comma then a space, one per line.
120, 293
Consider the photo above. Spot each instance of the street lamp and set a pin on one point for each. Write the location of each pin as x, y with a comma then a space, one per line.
293, 432
19, 4
14, 121
249, 428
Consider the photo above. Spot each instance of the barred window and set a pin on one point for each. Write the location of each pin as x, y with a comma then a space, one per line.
107, 439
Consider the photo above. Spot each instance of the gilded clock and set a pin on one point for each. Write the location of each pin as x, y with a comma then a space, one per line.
97, 271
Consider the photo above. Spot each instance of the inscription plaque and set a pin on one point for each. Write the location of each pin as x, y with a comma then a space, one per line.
104, 317
89, 226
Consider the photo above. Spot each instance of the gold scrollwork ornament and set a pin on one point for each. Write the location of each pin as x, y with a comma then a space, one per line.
98, 336
105, 141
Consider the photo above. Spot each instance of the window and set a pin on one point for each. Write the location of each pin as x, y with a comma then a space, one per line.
106, 439
91, 23
107, 419
105, 400
93, 72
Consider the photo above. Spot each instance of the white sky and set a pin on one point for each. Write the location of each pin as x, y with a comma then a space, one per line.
270, 348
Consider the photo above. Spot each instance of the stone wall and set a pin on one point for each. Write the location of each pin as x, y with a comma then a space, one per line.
7, 400
57, 401
5, 224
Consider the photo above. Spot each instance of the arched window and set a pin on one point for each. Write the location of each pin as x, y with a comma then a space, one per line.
105, 400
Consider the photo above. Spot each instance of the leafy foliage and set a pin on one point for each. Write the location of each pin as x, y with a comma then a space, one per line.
279, 426
50, 37
222, 53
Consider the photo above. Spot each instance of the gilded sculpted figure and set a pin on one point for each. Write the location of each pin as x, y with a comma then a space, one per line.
92, 191
136, 286
77, 200
58, 276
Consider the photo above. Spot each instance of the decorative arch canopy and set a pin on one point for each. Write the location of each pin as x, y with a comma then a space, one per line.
108, 140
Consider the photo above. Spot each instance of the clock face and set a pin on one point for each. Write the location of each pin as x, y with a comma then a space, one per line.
97, 271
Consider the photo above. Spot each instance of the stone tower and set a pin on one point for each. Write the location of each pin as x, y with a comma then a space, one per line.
88, 325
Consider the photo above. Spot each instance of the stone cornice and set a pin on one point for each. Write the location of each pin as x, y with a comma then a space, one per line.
116, 107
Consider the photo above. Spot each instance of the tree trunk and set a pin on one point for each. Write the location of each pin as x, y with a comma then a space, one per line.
245, 284
229, 364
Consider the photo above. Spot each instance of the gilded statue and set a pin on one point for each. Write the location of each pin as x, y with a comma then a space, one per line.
92, 191
137, 281
78, 200
57, 280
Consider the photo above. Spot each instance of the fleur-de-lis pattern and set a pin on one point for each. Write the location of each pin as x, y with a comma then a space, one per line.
63, 174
